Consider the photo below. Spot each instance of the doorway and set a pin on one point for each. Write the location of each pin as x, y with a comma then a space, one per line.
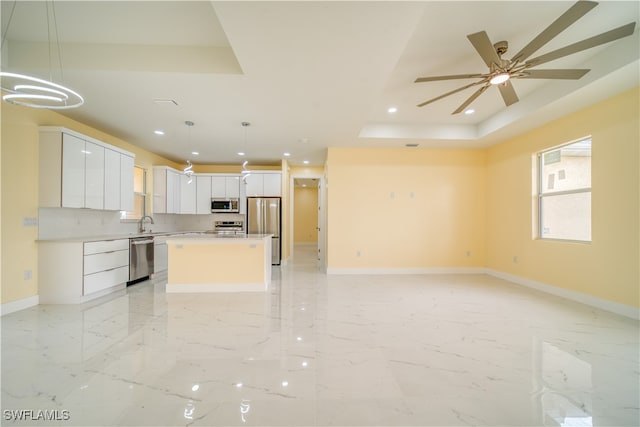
307, 215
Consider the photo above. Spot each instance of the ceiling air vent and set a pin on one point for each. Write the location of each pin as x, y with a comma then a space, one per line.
169, 102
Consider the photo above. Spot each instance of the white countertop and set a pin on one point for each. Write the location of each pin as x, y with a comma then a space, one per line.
122, 236
217, 238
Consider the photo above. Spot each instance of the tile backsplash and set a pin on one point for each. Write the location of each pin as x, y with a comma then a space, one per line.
60, 223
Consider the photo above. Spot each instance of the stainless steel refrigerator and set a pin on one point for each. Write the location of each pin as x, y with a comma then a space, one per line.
263, 217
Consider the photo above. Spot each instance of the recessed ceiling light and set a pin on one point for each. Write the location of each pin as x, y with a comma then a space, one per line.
241, 153
158, 132
286, 154
195, 153
306, 162
469, 111
392, 109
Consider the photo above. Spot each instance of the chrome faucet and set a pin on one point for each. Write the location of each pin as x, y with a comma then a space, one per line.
141, 223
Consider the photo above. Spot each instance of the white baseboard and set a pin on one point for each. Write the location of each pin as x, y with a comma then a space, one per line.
21, 304
614, 307
215, 287
420, 270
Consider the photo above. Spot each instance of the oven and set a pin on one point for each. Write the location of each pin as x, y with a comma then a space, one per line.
228, 227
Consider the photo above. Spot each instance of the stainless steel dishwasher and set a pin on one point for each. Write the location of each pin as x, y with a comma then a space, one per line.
140, 258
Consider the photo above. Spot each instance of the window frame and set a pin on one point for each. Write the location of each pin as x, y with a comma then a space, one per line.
124, 214
541, 194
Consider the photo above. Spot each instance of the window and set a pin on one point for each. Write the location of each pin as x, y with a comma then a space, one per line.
564, 192
139, 195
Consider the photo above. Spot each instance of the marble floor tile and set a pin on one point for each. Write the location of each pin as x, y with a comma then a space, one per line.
317, 350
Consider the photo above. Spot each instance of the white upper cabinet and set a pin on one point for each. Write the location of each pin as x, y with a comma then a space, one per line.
218, 187
111, 180
127, 164
77, 171
232, 186
94, 176
187, 195
173, 191
225, 186
272, 184
72, 172
166, 190
203, 194
264, 184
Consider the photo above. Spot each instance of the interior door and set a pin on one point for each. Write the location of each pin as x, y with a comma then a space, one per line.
322, 228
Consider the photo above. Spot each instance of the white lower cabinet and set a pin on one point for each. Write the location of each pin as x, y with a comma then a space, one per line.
73, 272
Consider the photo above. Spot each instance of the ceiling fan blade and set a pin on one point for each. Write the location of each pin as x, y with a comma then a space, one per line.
575, 12
485, 48
609, 36
508, 93
452, 92
456, 76
472, 98
569, 74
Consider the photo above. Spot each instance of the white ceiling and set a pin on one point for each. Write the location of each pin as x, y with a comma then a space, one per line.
306, 75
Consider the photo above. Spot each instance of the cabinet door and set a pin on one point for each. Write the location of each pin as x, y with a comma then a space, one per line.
111, 180
254, 185
203, 194
272, 184
218, 187
72, 171
160, 190
187, 195
232, 184
126, 183
94, 176
173, 192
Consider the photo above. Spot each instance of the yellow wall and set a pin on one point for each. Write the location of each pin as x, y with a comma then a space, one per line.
609, 266
405, 208
202, 263
19, 180
305, 215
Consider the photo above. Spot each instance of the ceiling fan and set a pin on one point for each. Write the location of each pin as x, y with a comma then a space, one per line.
501, 71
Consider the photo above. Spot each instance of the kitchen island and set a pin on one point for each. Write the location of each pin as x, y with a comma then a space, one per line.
219, 263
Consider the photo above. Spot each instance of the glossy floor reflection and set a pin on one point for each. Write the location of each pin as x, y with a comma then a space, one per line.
324, 350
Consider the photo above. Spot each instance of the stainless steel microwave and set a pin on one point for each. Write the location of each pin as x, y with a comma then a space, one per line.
224, 205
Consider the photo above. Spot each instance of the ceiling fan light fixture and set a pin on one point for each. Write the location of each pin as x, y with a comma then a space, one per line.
499, 78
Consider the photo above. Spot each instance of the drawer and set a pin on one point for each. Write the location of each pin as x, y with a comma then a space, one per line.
105, 246
105, 279
105, 261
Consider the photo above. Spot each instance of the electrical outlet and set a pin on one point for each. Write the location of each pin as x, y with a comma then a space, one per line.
30, 221
27, 275
468, 253
515, 259
393, 194
358, 253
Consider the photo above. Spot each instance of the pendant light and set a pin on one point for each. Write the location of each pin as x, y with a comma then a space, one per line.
29, 91
245, 172
188, 170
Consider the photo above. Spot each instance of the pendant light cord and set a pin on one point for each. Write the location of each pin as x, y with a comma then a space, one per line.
50, 47
6, 30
